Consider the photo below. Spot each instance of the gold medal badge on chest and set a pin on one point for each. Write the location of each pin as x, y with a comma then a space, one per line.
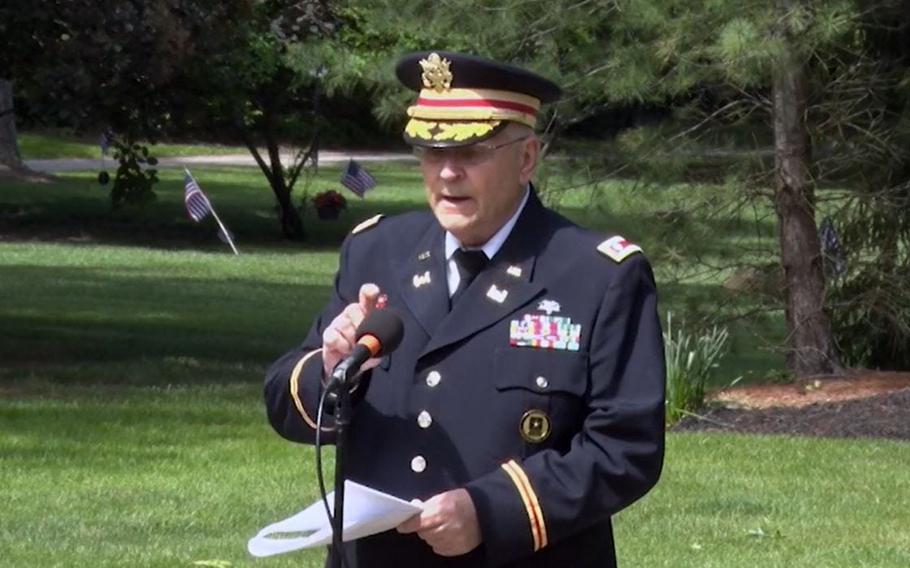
535, 426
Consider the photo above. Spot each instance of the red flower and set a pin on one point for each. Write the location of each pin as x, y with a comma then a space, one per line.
330, 199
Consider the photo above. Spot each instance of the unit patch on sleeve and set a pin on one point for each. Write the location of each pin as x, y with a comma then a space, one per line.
618, 248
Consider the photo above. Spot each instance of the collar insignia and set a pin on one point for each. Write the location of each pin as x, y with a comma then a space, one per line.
421, 279
497, 295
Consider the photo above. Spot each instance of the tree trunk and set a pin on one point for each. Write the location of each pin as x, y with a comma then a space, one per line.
289, 217
810, 343
291, 223
9, 145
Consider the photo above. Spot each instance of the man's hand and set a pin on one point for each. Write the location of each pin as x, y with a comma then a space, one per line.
448, 523
339, 338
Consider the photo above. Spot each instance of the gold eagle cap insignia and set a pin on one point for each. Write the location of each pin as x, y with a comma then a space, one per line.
436, 73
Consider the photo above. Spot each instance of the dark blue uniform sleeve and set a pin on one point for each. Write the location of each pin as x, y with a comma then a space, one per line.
618, 454
294, 382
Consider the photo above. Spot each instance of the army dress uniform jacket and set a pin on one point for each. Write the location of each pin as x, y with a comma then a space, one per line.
541, 392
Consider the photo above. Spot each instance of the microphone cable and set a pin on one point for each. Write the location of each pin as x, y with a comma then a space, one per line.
384, 324
321, 479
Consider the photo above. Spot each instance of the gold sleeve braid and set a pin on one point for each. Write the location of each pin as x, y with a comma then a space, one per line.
532, 505
293, 384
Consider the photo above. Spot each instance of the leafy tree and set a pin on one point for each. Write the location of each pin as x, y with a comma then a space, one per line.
871, 106
823, 81
145, 69
112, 63
252, 88
794, 70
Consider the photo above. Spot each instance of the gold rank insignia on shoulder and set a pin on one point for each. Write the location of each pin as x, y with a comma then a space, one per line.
363, 226
618, 248
436, 74
535, 426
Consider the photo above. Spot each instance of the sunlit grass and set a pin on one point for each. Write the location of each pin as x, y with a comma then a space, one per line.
133, 345
734, 500
144, 476
166, 476
76, 211
150, 316
41, 146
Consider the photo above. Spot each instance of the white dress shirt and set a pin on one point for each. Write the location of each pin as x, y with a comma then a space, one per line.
490, 248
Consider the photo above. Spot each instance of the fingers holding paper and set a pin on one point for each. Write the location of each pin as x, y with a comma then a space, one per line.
448, 523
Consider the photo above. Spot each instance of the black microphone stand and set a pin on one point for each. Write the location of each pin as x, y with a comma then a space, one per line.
389, 331
342, 421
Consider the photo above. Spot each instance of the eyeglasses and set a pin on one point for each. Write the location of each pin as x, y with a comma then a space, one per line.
470, 155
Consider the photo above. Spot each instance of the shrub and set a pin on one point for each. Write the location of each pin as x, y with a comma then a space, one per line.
136, 175
870, 299
690, 362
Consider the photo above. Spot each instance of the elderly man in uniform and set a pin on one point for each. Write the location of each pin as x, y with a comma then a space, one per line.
525, 404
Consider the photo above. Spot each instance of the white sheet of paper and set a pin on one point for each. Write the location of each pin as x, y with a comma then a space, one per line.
366, 512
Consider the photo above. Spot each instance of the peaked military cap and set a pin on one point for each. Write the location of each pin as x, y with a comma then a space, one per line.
464, 99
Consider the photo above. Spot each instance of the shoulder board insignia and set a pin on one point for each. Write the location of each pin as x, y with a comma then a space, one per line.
363, 226
618, 248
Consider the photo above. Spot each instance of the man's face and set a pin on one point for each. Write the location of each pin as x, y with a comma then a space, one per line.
473, 190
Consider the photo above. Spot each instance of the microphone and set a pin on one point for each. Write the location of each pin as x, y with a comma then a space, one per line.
378, 334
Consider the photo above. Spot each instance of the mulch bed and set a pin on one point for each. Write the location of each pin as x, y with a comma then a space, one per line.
869, 405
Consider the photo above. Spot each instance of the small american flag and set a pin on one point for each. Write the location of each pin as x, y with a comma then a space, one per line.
106, 138
197, 204
357, 179
834, 256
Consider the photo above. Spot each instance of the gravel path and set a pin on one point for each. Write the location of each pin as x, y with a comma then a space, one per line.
325, 157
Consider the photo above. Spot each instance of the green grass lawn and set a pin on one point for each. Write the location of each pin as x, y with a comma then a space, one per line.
76, 211
733, 500
168, 476
42, 146
133, 345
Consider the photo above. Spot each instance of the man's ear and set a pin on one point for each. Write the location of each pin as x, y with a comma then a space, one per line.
529, 155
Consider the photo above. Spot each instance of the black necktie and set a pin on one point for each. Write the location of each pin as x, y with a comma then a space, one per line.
470, 263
